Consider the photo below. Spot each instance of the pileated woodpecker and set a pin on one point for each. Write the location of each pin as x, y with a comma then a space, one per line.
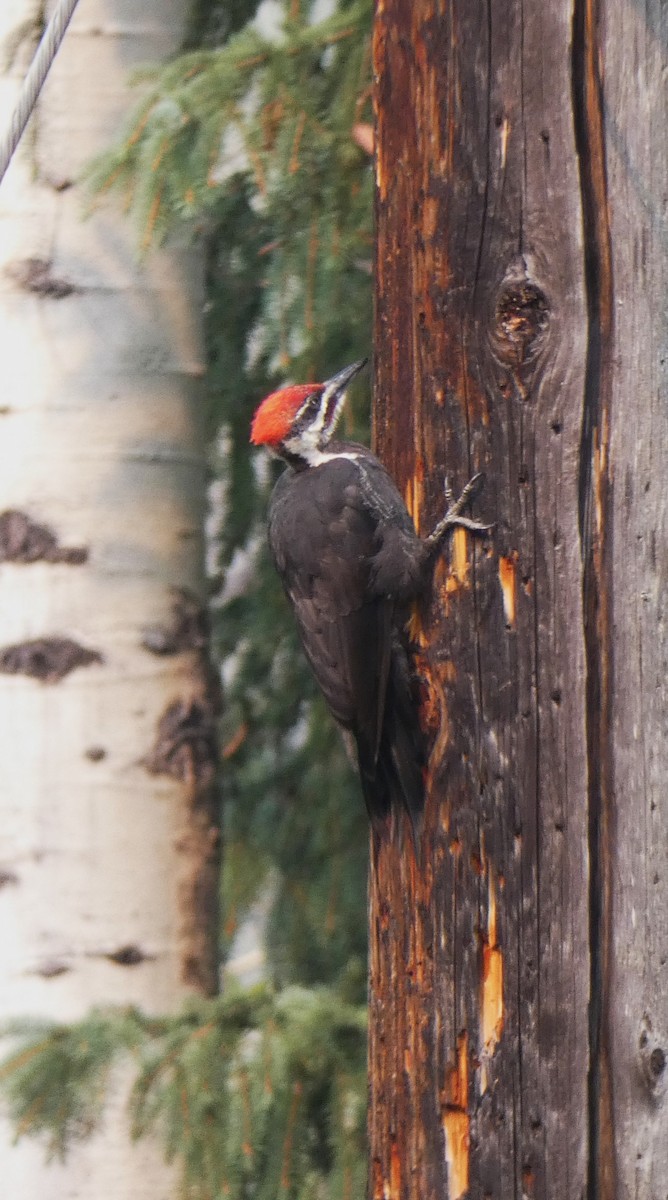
350, 560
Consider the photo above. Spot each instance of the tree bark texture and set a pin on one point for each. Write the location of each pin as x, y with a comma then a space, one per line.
108, 806
518, 977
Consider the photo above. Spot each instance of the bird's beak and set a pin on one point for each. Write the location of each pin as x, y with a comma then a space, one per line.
339, 382
334, 394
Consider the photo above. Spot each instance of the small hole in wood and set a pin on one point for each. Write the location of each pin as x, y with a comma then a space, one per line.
657, 1061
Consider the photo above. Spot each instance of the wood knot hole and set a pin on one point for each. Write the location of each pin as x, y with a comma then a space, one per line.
521, 318
657, 1061
652, 1060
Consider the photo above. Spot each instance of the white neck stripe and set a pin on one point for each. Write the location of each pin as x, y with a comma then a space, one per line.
317, 458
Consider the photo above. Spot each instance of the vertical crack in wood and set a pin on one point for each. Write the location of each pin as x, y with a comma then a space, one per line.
595, 535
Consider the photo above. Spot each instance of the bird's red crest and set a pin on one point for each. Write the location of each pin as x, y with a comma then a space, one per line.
277, 412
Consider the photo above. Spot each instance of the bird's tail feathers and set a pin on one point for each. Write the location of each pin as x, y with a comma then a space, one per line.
393, 779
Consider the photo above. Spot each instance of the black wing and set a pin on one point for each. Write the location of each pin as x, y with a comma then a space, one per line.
347, 553
323, 539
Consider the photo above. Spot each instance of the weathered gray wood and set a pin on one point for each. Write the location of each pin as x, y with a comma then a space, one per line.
520, 211
634, 39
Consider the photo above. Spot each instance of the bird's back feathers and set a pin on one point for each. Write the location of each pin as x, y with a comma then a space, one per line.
348, 555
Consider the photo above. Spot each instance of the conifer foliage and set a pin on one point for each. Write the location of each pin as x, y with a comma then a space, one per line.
256, 141
256, 1094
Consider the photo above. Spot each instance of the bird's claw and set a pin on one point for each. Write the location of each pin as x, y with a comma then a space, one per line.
453, 518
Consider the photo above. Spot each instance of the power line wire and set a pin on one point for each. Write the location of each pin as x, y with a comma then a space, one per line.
32, 84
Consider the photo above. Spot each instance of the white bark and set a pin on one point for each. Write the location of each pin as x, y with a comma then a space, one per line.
100, 440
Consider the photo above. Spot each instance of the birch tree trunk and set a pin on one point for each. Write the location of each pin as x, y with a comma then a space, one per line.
519, 977
108, 831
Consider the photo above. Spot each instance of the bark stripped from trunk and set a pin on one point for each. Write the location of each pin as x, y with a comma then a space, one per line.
510, 1050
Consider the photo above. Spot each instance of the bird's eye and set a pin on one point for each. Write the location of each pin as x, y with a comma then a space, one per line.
309, 408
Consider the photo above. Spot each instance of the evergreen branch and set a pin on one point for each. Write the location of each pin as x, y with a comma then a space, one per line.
217, 1081
194, 100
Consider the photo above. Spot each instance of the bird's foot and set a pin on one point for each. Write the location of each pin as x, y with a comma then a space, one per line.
453, 518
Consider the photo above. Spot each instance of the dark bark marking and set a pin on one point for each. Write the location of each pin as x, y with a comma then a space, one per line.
47, 659
189, 629
198, 887
59, 183
128, 956
23, 540
185, 747
52, 968
35, 275
8, 879
595, 534
95, 753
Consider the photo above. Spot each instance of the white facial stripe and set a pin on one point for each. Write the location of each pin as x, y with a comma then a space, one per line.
308, 449
319, 430
326, 397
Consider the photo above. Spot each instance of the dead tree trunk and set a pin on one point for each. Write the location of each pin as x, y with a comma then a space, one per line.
519, 977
